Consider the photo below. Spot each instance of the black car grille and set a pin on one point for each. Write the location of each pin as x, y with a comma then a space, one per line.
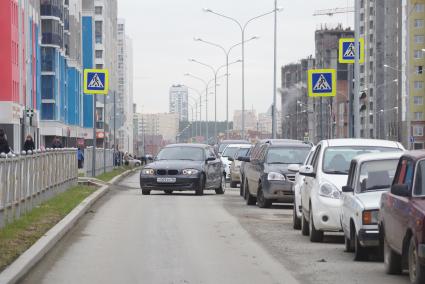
291, 177
167, 172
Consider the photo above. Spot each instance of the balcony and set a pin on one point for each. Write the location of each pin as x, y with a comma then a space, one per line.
52, 38
51, 10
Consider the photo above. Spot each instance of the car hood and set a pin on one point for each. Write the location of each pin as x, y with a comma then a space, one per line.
370, 200
338, 180
175, 164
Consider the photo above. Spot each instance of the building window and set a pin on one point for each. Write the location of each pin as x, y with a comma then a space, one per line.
418, 100
99, 53
418, 69
418, 130
419, 115
419, 7
98, 31
419, 85
419, 39
418, 54
98, 10
419, 23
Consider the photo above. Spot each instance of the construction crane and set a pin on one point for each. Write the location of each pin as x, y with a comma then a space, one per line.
331, 12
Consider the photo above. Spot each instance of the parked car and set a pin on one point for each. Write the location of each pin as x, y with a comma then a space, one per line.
235, 165
229, 152
299, 181
183, 167
267, 178
321, 194
402, 218
242, 171
369, 177
223, 144
134, 162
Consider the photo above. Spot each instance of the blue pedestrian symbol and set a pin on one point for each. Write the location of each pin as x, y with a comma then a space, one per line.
96, 81
347, 50
322, 83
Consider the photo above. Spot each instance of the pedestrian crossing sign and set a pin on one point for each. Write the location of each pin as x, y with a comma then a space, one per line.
347, 50
322, 83
96, 81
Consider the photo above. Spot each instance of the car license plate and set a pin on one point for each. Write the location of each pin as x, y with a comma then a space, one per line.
166, 180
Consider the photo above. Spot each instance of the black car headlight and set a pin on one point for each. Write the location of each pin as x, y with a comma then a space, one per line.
148, 172
190, 172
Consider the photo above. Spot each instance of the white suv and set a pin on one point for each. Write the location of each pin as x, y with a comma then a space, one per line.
326, 174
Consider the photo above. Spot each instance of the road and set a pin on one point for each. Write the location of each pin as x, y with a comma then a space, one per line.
182, 238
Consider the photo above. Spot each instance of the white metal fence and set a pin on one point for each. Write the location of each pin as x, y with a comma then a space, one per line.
102, 165
27, 180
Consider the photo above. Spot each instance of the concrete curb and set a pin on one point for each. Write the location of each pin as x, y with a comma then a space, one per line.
15, 271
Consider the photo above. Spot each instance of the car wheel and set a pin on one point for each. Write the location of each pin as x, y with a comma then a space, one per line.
168, 191
348, 244
262, 202
244, 189
316, 236
146, 192
200, 189
233, 184
392, 260
137, 164
250, 200
222, 187
416, 269
296, 222
305, 230
360, 253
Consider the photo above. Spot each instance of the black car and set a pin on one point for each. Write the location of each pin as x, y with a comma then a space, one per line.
266, 175
183, 167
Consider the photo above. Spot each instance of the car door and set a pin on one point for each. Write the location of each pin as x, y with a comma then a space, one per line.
217, 168
253, 170
348, 203
398, 209
309, 182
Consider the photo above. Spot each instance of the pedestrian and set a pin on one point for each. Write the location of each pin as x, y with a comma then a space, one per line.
56, 143
4, 145
29, 144
80, 155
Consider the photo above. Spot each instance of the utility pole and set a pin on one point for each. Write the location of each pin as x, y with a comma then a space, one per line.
104, 133
115, 121
274, 124
94, 138
356, 103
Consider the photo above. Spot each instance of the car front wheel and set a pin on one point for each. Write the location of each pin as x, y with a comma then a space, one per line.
222, 187
262, 202
305, 228
392, 260
250, 200
146, 192
360, 253
296, 222
416, 269
316, 236
200, 189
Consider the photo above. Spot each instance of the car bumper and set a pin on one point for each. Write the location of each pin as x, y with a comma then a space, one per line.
281, 191
327, 214
369, 237
183, 183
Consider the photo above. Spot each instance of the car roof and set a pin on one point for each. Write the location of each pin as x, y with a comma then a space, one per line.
292, 145
377, 156
234, 142
415, 154
362, 142
237, 146
192, 145
273, 141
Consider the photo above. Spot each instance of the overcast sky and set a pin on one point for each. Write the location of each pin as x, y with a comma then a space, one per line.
163, 32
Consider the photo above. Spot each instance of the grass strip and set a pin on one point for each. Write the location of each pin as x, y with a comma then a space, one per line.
115, 172
18, 236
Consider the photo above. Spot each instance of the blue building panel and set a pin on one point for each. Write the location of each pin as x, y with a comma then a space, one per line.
87, 23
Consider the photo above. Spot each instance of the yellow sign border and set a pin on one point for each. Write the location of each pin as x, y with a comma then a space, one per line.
310, 82
350, 61
96, 92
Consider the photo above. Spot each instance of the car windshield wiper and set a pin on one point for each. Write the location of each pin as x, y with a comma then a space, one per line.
375, 187
335, 172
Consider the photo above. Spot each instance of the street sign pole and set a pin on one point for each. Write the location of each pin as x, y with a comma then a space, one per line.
94, 137
356, 103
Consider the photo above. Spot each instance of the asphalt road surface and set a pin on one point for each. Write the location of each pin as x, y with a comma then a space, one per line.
183, 238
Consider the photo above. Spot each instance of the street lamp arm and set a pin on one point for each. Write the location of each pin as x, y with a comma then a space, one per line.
196, 77
226, 17
211, 43
259, 16
204, 64
225, 65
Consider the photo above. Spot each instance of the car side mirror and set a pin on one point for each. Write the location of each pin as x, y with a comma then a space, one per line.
294, 168
400, 190
210, 159
230, 159
347, 188
307, 171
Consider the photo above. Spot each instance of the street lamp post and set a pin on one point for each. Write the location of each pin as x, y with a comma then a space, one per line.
226, 53
242, 28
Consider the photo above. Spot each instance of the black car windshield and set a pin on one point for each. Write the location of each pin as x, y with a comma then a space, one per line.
181, 153
377, 175
230, 151
242, 152
336, 160
287, 155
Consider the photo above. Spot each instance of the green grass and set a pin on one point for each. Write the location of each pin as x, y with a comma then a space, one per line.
17, 237
110, 175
